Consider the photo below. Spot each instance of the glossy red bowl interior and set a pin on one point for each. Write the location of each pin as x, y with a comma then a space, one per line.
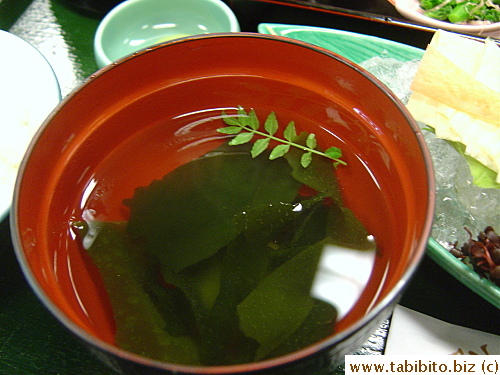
65, 168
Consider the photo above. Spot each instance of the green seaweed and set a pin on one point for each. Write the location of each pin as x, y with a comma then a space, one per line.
205, 193
140, 328
239, 290
278, 306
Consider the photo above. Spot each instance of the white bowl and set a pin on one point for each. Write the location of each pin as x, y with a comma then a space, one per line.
28, 92
411, 10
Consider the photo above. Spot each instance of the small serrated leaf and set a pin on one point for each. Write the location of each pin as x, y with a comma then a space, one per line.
279, 151
253, 120
290, 133
244, 126
241, 139
230, 130
311, 141
243, 117
333, 152
306, 159
230, 120
271, 124
259, 146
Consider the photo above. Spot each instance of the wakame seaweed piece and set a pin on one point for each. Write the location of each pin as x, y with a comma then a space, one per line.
170, 302
318, 325
281, 302
200, 283
140, 328
189, 214
174, 306
319, 175
261, 223
344, 228
244, 265
308, 229
311, 227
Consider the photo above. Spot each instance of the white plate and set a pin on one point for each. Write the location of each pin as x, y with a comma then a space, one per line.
28, 92
411, 10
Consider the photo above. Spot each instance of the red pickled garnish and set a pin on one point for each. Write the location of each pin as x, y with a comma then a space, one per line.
482, 254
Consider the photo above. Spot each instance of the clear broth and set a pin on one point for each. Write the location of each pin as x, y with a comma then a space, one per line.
176, 135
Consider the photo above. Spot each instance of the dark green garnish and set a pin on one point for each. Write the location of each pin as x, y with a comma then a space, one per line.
462, 11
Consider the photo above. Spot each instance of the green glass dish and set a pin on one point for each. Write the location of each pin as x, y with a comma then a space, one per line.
358, 48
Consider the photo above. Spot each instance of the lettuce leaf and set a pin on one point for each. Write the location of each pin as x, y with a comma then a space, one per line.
482, 176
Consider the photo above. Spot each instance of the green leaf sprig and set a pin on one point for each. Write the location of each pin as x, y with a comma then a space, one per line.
245, 126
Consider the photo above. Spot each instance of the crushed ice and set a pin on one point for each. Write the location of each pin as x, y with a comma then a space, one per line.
459, 203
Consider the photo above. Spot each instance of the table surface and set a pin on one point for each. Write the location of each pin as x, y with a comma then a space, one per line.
31, 340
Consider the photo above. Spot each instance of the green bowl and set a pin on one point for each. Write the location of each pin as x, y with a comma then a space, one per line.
137, 24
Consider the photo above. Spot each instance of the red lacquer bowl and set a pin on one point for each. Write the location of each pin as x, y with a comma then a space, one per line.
73, 164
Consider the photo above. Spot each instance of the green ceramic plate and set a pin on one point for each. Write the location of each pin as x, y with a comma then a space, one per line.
358, 48
355, 47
